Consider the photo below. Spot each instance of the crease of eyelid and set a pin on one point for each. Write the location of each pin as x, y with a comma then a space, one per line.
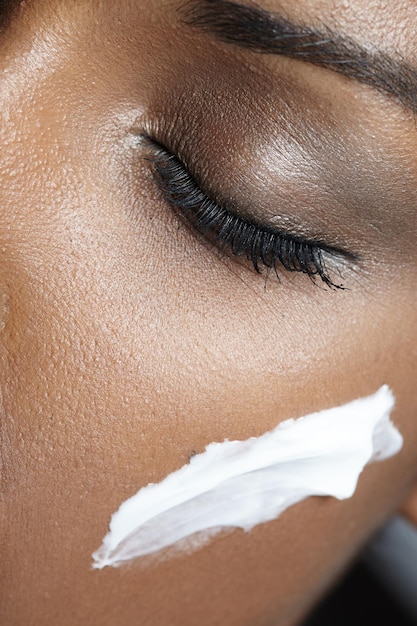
261, 244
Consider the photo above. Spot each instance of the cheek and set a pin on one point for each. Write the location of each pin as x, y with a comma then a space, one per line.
122, 359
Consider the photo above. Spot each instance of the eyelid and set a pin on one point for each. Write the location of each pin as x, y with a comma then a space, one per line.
261, 244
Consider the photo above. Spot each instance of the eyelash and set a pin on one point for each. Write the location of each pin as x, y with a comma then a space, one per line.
263, 246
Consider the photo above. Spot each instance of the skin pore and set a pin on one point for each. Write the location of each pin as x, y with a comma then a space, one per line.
128, 342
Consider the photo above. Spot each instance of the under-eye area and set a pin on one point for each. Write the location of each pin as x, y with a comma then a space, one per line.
264, 247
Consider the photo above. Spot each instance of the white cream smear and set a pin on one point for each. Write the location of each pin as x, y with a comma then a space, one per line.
239, 484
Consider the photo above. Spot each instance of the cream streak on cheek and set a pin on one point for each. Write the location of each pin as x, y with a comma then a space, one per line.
239, 484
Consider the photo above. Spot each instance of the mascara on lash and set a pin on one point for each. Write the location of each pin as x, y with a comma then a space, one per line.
262, 246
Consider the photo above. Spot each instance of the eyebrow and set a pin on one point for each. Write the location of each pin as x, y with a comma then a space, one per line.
254, 28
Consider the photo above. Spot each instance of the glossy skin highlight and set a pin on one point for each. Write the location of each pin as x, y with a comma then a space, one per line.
127, 344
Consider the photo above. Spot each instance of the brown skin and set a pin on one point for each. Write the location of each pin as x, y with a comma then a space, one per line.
126, 343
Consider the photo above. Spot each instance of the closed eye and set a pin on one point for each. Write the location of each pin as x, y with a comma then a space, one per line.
263, 246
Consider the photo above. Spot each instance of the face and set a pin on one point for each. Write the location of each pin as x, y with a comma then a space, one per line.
133, 333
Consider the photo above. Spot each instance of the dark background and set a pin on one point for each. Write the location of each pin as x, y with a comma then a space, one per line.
359, 600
